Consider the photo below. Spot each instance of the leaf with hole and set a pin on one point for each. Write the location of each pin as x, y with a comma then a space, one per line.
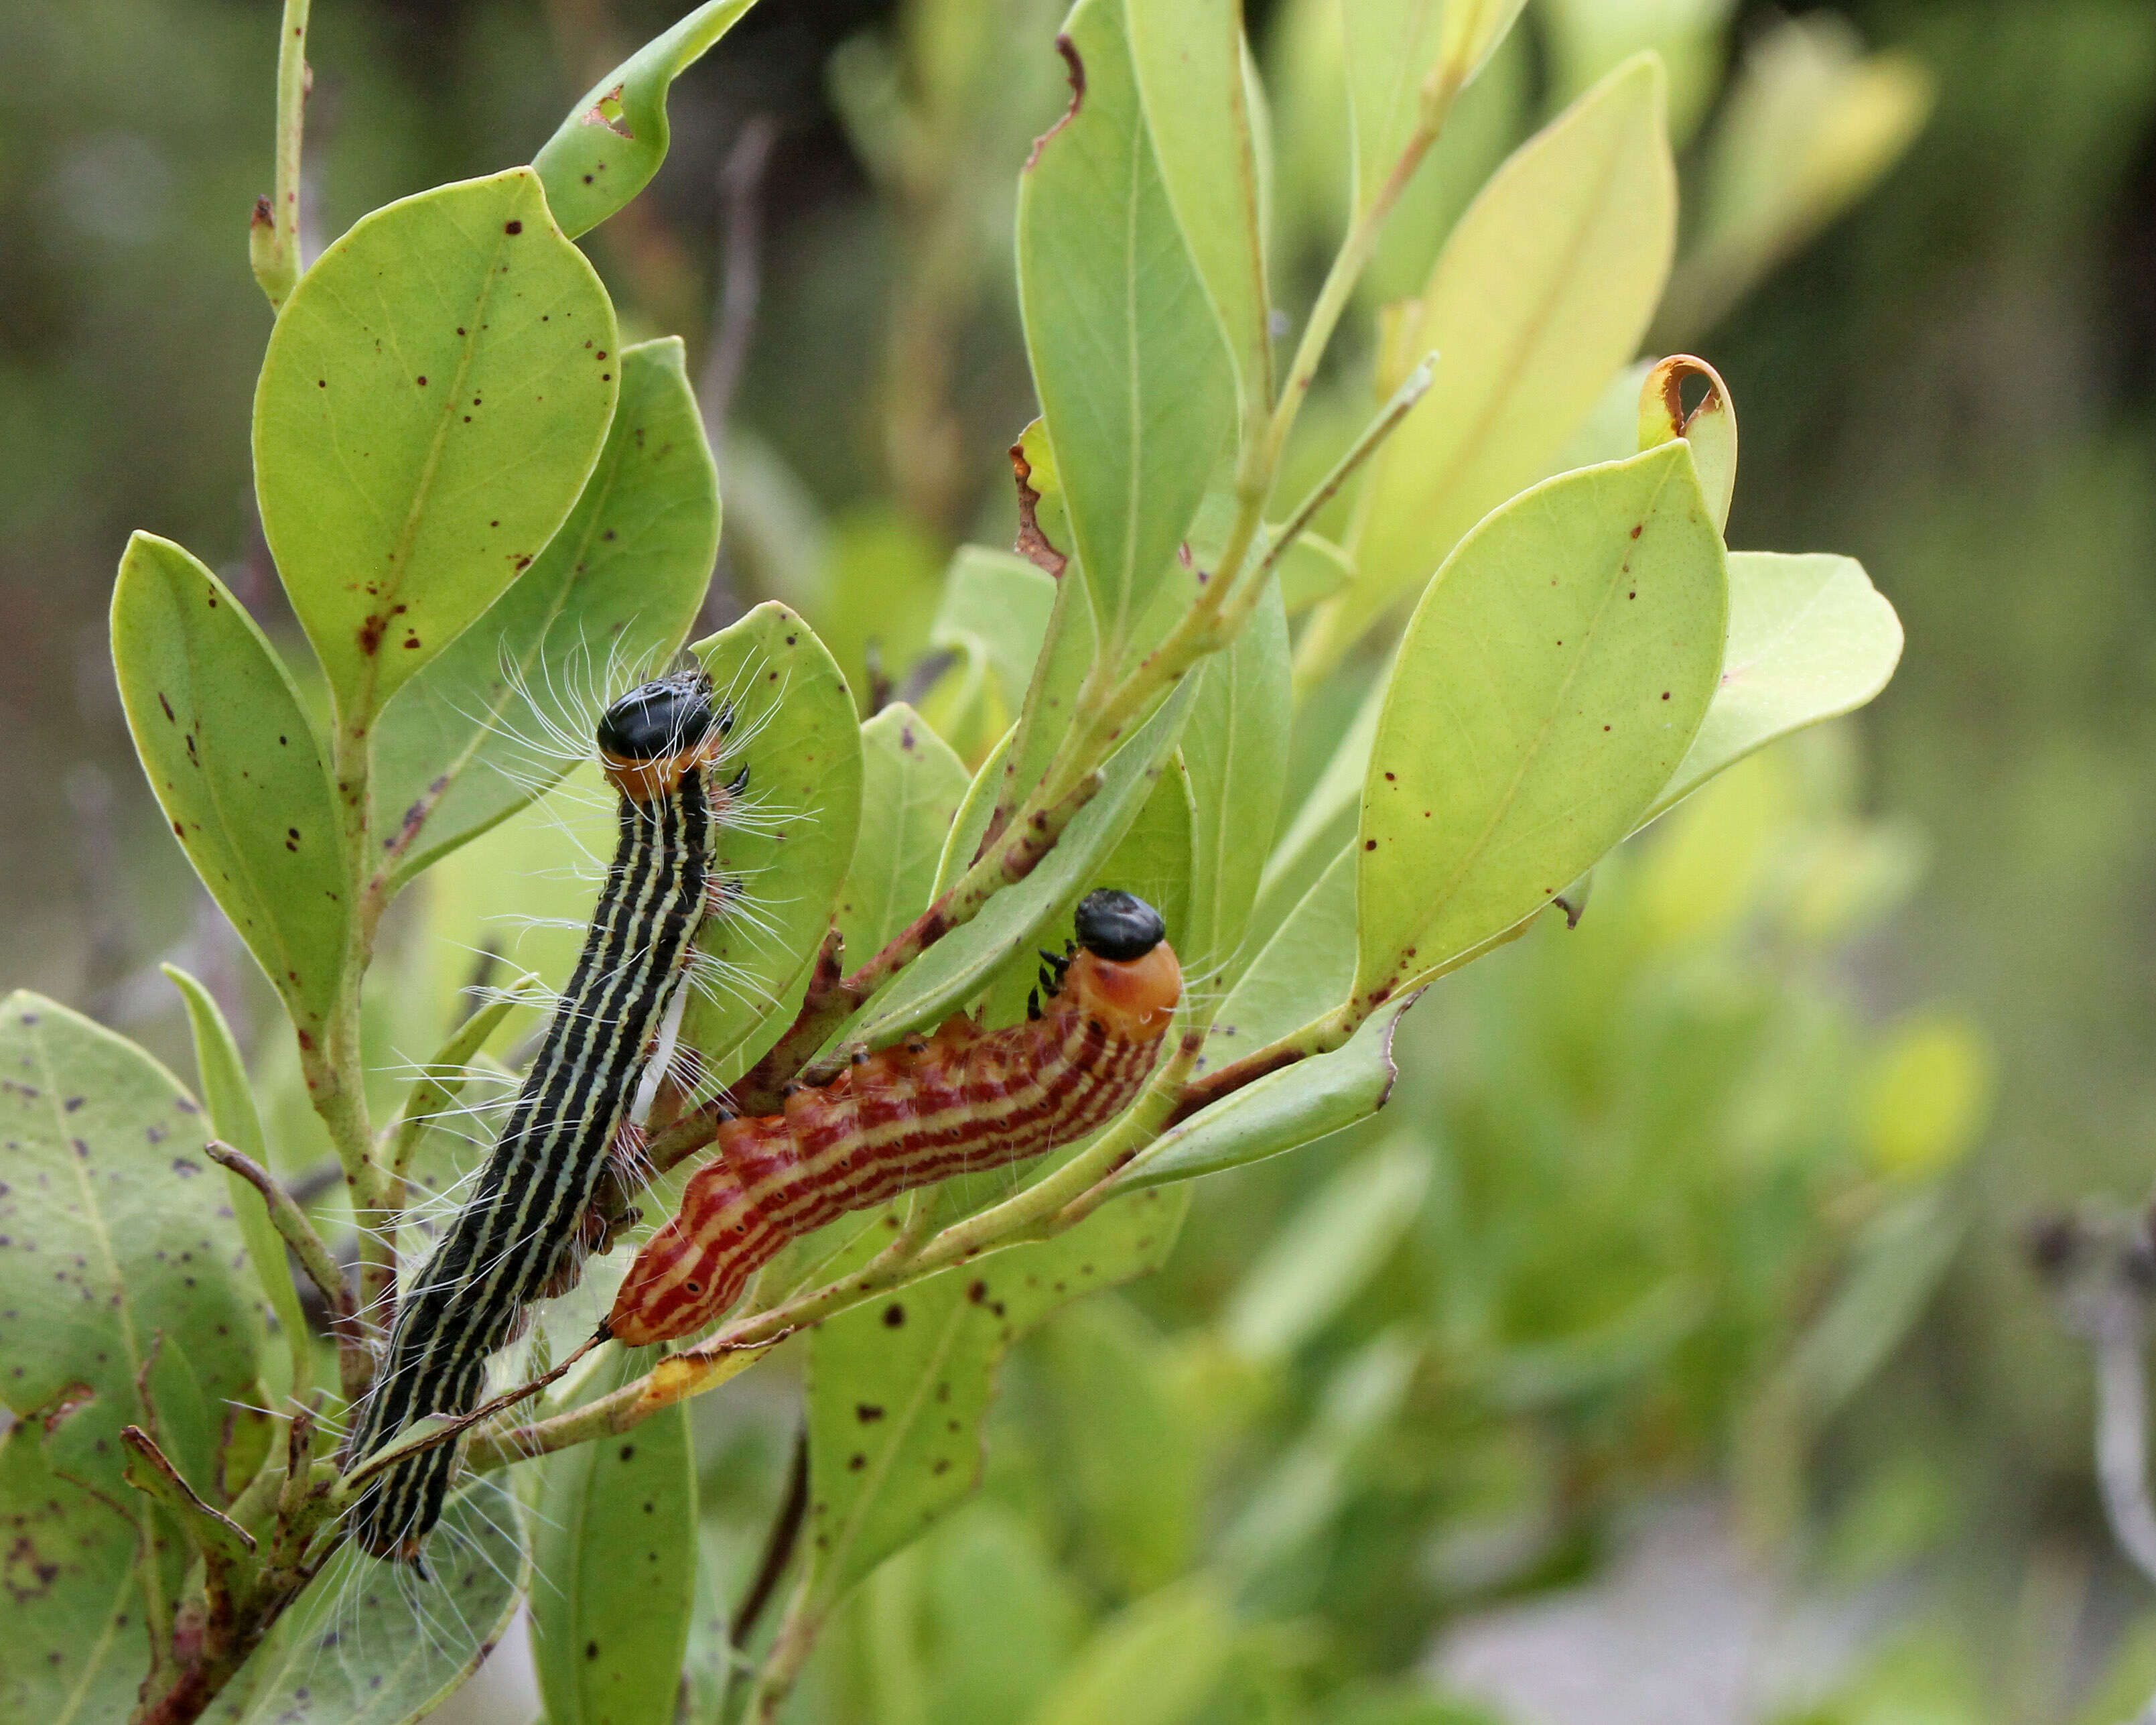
613, 140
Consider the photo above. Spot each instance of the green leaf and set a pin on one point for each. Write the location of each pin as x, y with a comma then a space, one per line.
123, 1268
1543, 291
234, 761
230, 1099
614, 138
1549, 683
1809, 639
367, 1644
994, 615
1156, 1662
483, 728
76, 1649
1585, 38
898, 1389
960, 965
1235, 745
434, 394
1283, 1110
1188, 55
1389, 48
616, 1540
1305, 969
1129, 1444
1128, 361
802, 745
1332, 1244
911, 787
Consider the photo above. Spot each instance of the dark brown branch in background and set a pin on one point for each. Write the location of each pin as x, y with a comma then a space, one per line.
779, 1548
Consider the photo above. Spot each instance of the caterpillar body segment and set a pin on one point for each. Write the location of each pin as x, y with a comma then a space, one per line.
532, 1214
910, 1114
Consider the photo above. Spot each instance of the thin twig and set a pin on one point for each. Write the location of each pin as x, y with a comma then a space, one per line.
274, 243
355, 1364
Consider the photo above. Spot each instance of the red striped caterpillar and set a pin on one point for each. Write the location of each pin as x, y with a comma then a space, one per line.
522, 1234
913, 1114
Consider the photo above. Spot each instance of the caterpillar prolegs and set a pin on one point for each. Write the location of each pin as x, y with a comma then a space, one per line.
523, 1234
912, 1114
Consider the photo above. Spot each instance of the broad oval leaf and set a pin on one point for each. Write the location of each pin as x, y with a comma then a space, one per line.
483, 728
1549, 683
1809, 639
434, 394
370, 1644
1128, 359
615, 1539
233, 760
1281, 1111
123, 1269
615, 137
790, 852
911, 787
898, 1389
1543, 291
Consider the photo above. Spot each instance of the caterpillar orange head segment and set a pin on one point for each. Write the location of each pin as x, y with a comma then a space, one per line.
1125, 971
656, 731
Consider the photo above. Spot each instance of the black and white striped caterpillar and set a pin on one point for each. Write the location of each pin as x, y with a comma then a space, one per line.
523, 1233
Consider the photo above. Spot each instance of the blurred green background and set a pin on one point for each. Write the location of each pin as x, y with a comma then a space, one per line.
1688, 1256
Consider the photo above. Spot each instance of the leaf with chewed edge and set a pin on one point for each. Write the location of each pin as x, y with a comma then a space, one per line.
789, 854
234, 761
898, 1389
615, 137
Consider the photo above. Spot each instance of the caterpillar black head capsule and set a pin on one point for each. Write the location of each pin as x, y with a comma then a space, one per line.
652, 735
1118, 925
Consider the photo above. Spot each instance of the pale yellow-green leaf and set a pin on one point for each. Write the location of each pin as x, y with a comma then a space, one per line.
1548, 684
1541, 292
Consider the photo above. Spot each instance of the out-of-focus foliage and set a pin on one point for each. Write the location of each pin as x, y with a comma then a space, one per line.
1954, 384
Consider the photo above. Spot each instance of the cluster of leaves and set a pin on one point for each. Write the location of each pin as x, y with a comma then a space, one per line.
484, 509
1650, 1192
